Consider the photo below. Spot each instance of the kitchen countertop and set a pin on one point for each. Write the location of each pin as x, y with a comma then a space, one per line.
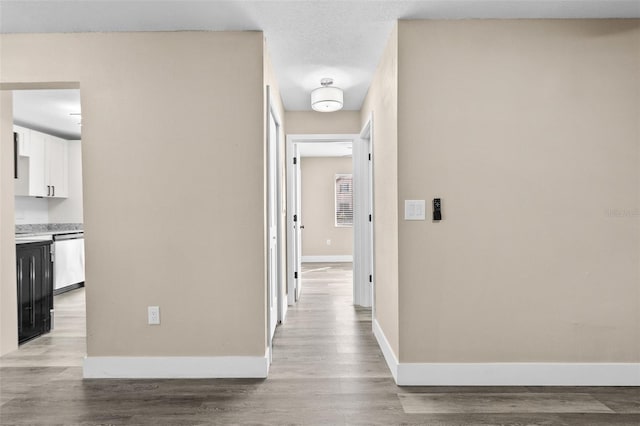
31, 233
39, 228
32, 237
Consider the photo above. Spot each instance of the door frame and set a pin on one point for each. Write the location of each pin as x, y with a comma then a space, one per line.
293, 250
273, 197
360, 251
367, 162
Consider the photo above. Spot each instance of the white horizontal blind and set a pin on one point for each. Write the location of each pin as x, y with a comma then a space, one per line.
344, 200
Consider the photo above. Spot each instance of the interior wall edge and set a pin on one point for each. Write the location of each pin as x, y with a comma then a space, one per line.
8, 291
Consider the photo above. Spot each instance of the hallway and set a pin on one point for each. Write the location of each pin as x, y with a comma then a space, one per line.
327, 369
324, 335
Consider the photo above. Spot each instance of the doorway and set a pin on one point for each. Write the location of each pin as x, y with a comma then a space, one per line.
47, 204
361, 214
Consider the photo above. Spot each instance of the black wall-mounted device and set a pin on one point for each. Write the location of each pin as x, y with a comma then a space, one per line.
437, 214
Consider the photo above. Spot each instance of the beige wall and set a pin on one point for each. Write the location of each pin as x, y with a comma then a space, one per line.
311, 122
382, 101
318, 203
529, 131
172, 133
8, 297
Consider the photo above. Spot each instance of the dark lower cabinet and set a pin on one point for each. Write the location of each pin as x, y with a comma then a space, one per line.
35, 289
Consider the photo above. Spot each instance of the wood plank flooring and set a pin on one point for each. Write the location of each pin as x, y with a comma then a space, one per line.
327, 369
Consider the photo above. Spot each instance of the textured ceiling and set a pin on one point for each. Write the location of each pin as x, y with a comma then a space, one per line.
307, 40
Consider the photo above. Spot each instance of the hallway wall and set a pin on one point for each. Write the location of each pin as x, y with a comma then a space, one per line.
311, 122
529, 131
382, 102
163, 114
8, 295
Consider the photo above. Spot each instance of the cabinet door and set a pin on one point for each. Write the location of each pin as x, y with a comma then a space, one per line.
37, 160
44, 289
27, 297
31, 162
21, 183
23, 140
35, 293
56, 167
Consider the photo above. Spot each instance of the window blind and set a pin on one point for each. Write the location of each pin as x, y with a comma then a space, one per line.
344, 200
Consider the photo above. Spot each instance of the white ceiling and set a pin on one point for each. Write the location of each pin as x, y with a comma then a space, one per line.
53, 112
307, 39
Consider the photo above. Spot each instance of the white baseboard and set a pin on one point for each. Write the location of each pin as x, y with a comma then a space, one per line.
519, 374
327, 259
176, 367
507, 373
389, 355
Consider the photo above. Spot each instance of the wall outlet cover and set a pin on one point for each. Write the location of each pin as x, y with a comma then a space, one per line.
154, 315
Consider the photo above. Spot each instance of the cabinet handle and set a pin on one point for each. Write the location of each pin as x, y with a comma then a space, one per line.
32, 270
48, 190
19, 295
54, 191
16, 142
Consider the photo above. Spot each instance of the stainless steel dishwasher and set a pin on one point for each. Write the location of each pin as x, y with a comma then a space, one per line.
68, 261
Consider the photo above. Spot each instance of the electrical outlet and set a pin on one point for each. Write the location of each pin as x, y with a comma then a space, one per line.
154, 315
328, 242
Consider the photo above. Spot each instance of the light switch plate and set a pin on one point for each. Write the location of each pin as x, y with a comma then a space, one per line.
414, 210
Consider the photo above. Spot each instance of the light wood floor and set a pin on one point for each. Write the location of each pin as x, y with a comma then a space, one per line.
327, 369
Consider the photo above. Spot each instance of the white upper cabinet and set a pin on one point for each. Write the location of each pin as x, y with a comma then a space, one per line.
31, 163
42, 165
23, 140
56, 167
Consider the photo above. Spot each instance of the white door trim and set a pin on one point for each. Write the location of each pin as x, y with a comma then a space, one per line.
272, 161
328, 259
292, 176
365, 233
292, 141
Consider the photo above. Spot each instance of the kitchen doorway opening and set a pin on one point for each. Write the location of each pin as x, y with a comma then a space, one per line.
46, 310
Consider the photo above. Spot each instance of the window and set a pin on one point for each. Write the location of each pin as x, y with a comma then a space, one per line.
344, 200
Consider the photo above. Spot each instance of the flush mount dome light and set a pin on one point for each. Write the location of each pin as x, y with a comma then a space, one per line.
326, 98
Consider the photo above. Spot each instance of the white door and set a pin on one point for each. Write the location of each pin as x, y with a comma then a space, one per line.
368, 249
362, 214
272, 267
273, 237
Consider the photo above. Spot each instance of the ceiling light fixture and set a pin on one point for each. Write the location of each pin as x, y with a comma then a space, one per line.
326, 98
